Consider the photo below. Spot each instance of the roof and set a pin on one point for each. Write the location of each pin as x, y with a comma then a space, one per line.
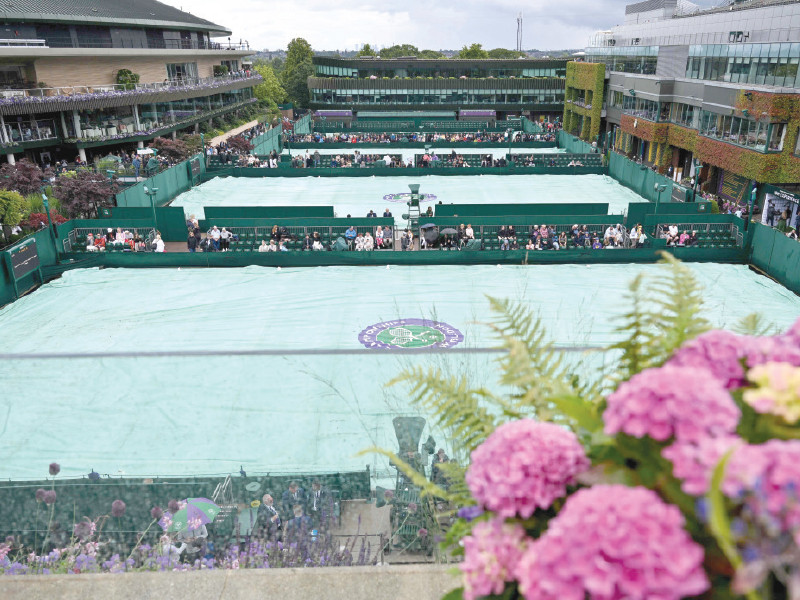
129, 12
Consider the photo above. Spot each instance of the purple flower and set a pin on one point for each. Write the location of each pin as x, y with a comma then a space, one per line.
388, 495
524, 465
84, 529
40, 494
412, 507
117, 508
55, 469
49, 497
470, 512
671, 401
156, 513
491, 555
423, 533
612, 541
10, 540
173, 506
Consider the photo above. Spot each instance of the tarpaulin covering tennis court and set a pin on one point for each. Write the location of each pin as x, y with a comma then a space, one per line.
296, 397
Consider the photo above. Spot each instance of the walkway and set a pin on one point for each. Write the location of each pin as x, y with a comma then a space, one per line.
221, 138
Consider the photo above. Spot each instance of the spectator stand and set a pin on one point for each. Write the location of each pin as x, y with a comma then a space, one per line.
77, 237
709, 235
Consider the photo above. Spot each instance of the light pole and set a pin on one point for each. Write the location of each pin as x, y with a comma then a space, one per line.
151, 193
753, 194
49, 222
696, 178
510, 134
658, 188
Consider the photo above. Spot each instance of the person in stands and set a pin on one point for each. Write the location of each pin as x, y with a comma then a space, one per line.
191, 242
263, 247
159, 244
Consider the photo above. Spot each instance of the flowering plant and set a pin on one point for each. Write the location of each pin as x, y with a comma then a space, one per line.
674, 477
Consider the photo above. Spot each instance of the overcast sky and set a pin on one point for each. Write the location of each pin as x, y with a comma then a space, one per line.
446, 24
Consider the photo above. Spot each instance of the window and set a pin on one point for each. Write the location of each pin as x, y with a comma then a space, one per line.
778, 133
181, 71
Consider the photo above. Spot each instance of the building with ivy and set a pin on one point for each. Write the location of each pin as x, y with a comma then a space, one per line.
714, 91
519, 87
82, 75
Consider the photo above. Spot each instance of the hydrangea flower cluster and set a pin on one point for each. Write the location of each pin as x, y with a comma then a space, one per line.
524, 465
768, 476
610, 542
491, 555
694, 461
671, 401
778, 390
719, 352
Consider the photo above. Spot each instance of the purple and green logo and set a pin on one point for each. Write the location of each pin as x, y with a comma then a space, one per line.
410, 333
406, 197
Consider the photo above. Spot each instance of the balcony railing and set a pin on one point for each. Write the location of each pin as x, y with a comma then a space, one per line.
29, 131
148, 44
18, 43
94, 92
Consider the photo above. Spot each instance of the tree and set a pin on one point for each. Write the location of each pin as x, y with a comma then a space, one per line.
83, 194
270, 89
430, 54
38, 220
173, 150
296, 72
238, 144
505, 54
399, 50
24, 177
367, 51
12, 207
475, 51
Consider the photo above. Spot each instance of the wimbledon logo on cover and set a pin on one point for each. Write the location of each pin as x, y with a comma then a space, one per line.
410, 333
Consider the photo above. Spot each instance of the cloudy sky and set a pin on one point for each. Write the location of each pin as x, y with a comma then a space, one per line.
446, 24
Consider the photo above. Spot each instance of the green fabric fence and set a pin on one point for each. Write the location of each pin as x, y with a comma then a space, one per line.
639, 178
169, 184
500, 210
776, 254
302, 126
267, 142
573, 144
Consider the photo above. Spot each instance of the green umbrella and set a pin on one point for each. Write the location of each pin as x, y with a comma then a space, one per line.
197, 512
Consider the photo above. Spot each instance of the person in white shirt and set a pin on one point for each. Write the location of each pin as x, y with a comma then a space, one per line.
215, 236
159, 243
610, 234
672, 235
167, 548
619, 239
369, 242
359, 242
225, 239
272, 246
317, 245
388, 160
379, 237
263, 247
469, 233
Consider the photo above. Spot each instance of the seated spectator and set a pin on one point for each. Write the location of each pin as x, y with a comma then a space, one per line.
635, 236
531, 245
307, 243
503, 237
619, 239
359, 242
139, 245
562, 240
610, 234
263, 247
316, 240
672, 235
282, 246
273, 246
275, 234
215, 236
641, 237
158, 244
388, 237
369, 242
191, 242
684, 238
429, 212
350, 236
378, 237
469, 233
574, 235
225, 239
371, 214
404, 240
514, 244
596, 244
693, 241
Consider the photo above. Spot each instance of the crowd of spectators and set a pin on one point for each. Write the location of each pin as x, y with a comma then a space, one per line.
676, 238
399, 138
121, 239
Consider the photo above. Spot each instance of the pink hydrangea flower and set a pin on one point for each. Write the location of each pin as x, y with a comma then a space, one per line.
719, 352
693, 462
524, 465
491, 554
611, 542
683, 402
780, 348
769, 475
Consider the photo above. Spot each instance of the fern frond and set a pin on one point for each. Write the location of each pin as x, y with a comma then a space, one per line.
755, 324
427, 488
452, 404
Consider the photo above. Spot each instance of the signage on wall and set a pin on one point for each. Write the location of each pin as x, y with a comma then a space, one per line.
732, 187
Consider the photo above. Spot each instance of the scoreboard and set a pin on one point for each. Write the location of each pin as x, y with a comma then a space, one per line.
24, 259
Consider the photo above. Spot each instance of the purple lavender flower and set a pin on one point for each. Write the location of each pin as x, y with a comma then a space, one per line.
117, 508
83, 529
423, 533
40, 494
49, 497
173, 506
470, 512
412, 507
55, 469
156, 512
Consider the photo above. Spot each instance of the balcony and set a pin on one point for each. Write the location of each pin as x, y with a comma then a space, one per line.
67, 41
101, 96
28, 133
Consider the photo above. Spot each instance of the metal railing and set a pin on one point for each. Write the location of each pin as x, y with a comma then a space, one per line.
66, 41
18, 43
29, 131
111, 88
708, 234
75, 240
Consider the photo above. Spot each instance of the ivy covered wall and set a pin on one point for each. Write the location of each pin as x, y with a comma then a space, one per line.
585, 80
